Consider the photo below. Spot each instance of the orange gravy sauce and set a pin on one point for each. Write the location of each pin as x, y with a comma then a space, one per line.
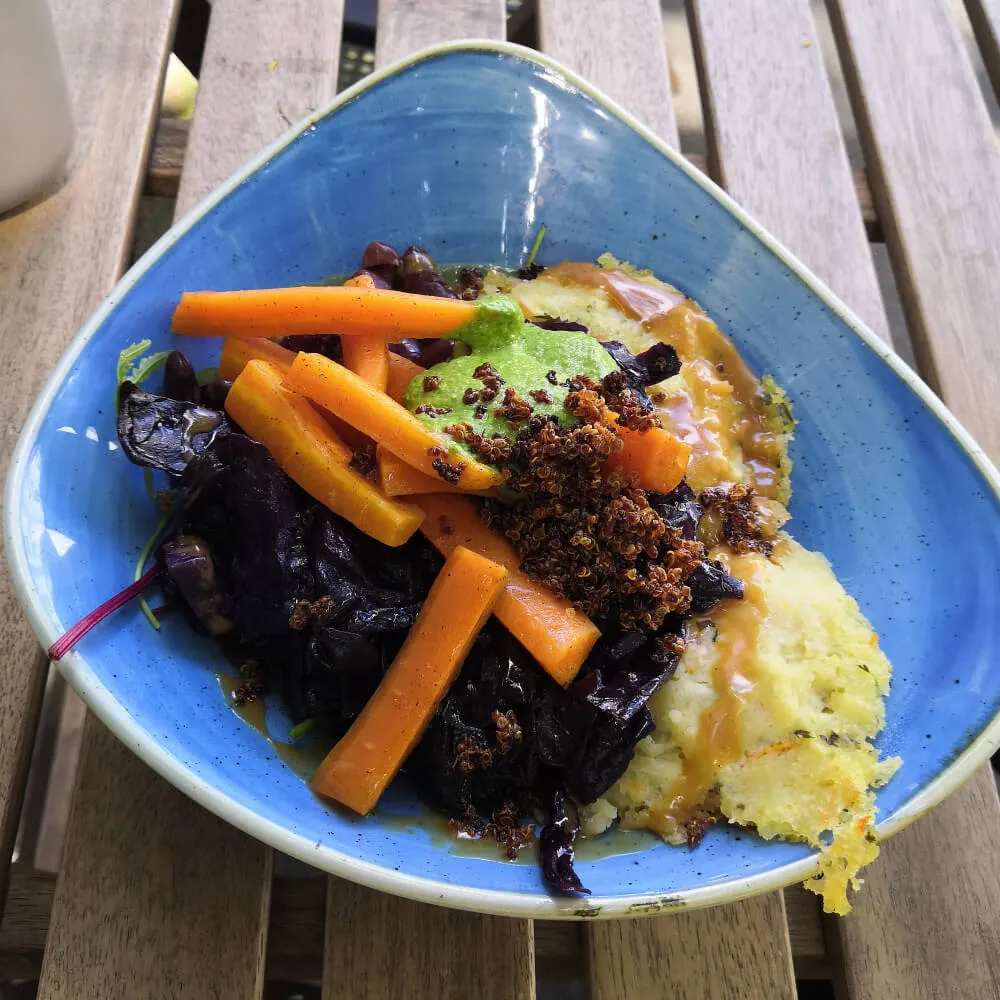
722, 409
719, 740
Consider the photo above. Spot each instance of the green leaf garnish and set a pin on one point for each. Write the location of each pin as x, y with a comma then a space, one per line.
130, 354
205, 375
301, 729
536, 246
151, 363
147, 551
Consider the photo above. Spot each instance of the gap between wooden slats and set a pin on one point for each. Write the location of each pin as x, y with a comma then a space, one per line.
404, 26
156, 897
927, 922
57, 258
618, 48
984, 15
377, 945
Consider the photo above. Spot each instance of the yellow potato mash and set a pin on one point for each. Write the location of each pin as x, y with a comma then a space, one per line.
769, 719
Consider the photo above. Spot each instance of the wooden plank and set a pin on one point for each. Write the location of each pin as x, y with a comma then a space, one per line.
415, 950
617, 47
935, 173
404, 26
167, 158
775, 142
159, 900
57, 258
725, 953
379, 945
984, 15
265, 66
190, 893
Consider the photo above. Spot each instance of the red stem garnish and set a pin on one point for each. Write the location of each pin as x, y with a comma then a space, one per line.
66, 642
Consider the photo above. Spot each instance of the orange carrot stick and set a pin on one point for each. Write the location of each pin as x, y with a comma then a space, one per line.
397, 479
272, 312
385, 421
307, 450
366, 356
659, 458
359, 768
550, 628
236, 353
402, 371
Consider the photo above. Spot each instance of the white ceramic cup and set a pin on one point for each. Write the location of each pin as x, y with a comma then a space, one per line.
36, 124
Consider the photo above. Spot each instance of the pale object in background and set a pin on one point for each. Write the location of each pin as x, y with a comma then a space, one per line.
36, 125
179, 90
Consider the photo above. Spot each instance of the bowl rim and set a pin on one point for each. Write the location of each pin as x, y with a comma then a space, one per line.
422, 889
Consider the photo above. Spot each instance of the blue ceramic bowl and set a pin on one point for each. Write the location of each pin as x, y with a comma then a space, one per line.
467, 149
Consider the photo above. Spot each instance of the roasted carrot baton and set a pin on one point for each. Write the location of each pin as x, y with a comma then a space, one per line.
398, 479
304, 309
236, 353
309, 452
402, 371
656, 456
359, 768
366, 356
386, 422
550, 628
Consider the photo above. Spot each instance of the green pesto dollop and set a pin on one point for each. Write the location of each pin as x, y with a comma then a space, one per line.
523, 355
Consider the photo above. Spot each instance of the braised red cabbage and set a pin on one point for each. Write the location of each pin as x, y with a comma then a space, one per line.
654, 365
162, 433
556, 846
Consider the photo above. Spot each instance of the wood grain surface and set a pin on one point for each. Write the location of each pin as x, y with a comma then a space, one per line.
57, 259
619, 48
935, 172
927, 922
158, 900
775, 142
296, 934
265, 66
191, 893
404, 949
735, 952
404, 26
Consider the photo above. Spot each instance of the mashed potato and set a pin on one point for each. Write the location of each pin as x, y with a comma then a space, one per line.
769, 719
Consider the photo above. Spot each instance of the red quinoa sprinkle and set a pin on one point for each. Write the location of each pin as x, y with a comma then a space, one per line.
363, 462
742, 525
449, 472
514, 408
431, 383
591, 538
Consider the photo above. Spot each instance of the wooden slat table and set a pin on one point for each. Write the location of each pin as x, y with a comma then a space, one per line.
165, 900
